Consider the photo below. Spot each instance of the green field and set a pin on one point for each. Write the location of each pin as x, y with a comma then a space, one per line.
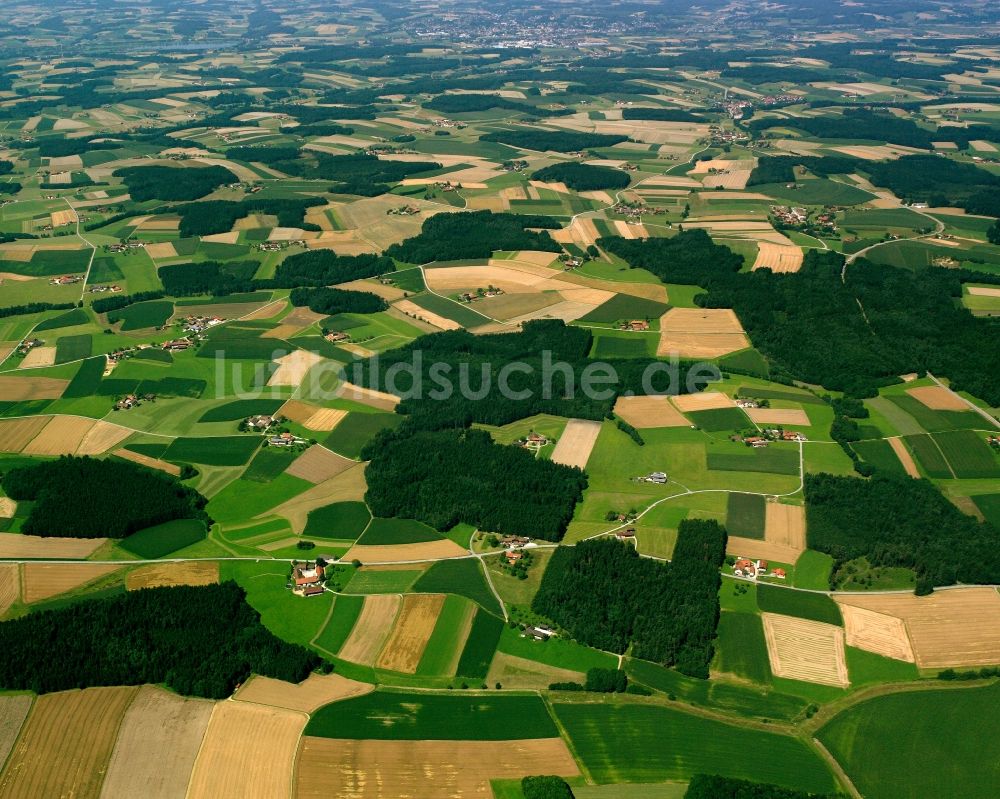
615, 344
459, 576
626, 307
559, 652
267, 464
155, 542
341, 520
391, 716
812, 570
241, 409
936, 421
641, 743
397, 531
450, 309
745, 515
74, 348
375, 581
218, 451
805, 605
879, 453
989, 505
142, 315
718, 419
747, 459
357, 429
77, 316
741, 647
929, 456
447, 638
952, 735
346, 610
480, 646
968, 454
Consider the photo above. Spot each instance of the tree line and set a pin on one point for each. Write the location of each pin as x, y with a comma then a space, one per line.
606, 596
82, 497
555, 140
173, 183
583, 177
710, 786
199, 641
332, 301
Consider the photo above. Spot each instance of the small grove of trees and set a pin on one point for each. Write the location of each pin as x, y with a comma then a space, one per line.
333, 301
119, 301
325, 268
708, 786
476, 234
545, 788
898, 521
583, 177
173, 183
690, 257
606, 596
89, 498
200, 641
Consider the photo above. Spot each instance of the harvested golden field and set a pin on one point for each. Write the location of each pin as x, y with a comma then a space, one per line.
298, 411
60, 218
530, 675
576, 443
876, 632
61, 436
795, 417
18, 388
371, 629
801, 649
16, 434
156, 575
410, 308
66, 743
307, 696
387, 293
161, 249
38, 356
367, 396
46, 580
754, 548
702, 401
159, 740
269, 311
14, 545
349, 769
388, 553
13, 711
785, 525
318, 464
298, 320
938, 398
248, 752
292, 368
413, 628
347, 486
8, 508
778, 257
324, 420
980, 291
145, 460
700, 333
102, 437
10, 585
646, 412
956, 627
904, 456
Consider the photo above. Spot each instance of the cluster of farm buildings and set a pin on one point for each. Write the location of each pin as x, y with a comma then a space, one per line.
752, 569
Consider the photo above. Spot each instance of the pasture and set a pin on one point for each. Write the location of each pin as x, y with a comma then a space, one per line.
745, 515
155, 542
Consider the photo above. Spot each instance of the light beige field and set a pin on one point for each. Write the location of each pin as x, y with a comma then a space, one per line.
307, 696
376, 399
785, 525
19, 388
514, 306
325, 419
8, 508
292, 368
413, 628
801, 649
145, 460
65, 746
938, 398
349, 769
735, 179
957, 627
980, 291
45, 580
371, 629
161, 250
783, 416
317, 464
14, 545
10, 585
388, 553
60, 218
61, 436
702, 401
904, 456
647, 412
530, 675
248, 752
16, 434
700, 333
38, 356
982, 146
269, 311
576, 443
412, 309
298, 411
156, 575
347, 486
877, 152
13, 711
223, 238
778, 257
102, 437
387, 293
876, 632
297, 320
159, 740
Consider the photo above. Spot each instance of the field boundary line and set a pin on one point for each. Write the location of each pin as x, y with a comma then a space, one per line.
837, 769
564, 735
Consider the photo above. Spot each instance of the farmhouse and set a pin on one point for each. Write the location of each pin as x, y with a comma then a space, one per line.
628, 534
65, 280
260, 422
285, 440
757, 442
334, 336
659, 478
514, 541
746, 403
307, 578
751, 569
636, 325
539, 633
177, 345
533, 441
